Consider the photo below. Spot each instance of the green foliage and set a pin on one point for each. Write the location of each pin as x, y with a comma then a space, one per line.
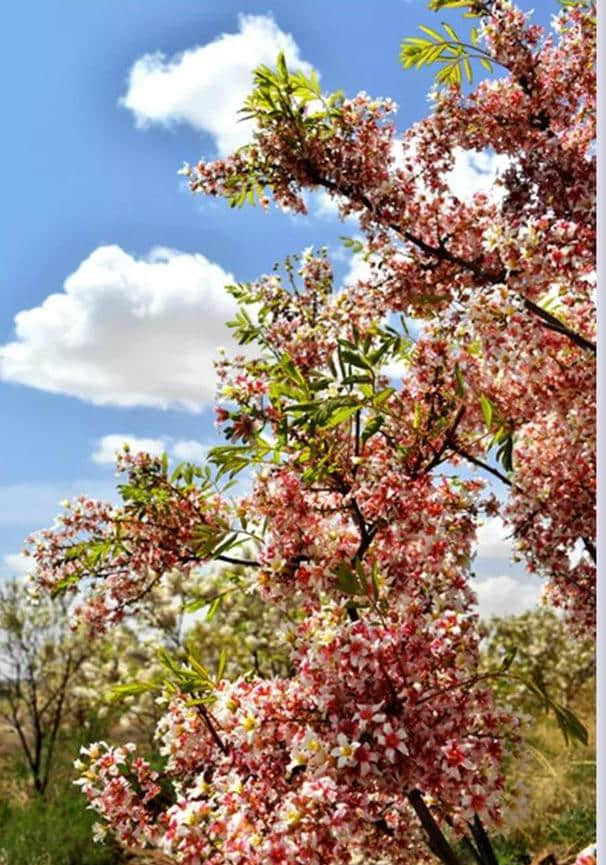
448, 50
291, 101
571, 728
349, 392
239, 633
503, 436
279, 93
152, 491
558, 811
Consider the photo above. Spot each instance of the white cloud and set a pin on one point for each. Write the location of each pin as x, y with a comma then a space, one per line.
359, 270
324, 206
506, 596
16, 565
127, 331
187, 450
206, 86
190, 451
493, 541
476, 171
473, 170
110, 444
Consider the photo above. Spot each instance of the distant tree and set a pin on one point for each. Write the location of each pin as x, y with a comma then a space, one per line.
42, 679
544, 652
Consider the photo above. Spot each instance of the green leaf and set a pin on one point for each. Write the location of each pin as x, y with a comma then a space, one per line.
354, 244
221, 664
357, 379
383, 395
459, 382
451, 32
213, 607
436, 5
372, 427
347, 579
505, 453
508, 660
339, 416
375, 581
355, 359
487, 409
433, 33
129, 689
199, 668
281, 66
571, 727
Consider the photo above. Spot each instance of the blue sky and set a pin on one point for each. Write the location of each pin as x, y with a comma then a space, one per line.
96, 125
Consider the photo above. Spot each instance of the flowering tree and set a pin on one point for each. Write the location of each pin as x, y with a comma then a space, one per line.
382, 734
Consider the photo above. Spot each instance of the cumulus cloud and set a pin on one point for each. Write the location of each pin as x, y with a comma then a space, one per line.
493, 540
359, 270
109, 445
16, 565
322, 205
187, 450
206, 86
506, 596
325, 207
127, 331
476, 171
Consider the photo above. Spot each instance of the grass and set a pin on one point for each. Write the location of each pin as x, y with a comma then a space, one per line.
558, 814
54, 830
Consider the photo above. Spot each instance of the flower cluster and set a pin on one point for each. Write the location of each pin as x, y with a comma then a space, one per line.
317, 767
165, 522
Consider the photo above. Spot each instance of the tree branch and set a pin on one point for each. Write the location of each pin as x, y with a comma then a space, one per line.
482, 840
441, 253
480, 464
436, 840
248, 563
590, 547
550, 321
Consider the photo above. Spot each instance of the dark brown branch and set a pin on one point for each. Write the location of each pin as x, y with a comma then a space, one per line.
467, 843
480, 464
247, 563
469, 846
483, 842
442, 253
18, 727
448, 441
590, 547
212, 729
553, 323
436, 839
